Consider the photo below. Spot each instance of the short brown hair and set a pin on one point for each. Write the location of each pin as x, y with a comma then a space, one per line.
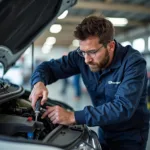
95, 26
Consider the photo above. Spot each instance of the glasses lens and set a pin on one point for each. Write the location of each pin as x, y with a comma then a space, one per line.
92, 54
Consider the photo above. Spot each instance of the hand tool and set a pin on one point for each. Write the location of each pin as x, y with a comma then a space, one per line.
37, 108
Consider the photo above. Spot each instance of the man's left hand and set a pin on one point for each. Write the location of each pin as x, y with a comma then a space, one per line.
59, 115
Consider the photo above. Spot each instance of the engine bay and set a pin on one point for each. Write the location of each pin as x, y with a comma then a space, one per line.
17, 118
17, 121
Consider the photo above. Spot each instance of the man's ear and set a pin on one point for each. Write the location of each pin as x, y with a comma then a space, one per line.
111, 46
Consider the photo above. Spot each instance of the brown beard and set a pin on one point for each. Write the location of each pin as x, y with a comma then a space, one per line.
95, 67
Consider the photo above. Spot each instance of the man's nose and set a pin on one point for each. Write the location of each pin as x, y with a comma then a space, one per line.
88, 58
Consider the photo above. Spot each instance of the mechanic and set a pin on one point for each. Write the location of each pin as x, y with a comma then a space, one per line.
116, 79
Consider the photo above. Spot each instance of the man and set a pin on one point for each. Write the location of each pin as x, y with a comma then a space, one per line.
116, 79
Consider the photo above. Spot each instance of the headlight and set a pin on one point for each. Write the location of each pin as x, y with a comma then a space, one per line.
90, 143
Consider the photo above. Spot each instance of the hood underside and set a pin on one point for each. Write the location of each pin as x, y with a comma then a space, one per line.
22, 22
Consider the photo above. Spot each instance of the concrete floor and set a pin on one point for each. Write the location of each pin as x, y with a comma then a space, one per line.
54, 92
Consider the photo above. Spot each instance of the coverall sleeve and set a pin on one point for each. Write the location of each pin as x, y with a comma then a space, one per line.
50, 71
126, 100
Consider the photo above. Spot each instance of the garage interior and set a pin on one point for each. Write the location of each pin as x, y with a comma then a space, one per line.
135, 31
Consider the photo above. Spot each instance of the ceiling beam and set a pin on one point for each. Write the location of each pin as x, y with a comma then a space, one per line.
112, 6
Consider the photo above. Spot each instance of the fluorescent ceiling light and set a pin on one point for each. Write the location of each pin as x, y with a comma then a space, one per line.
75, 43
139, 44
125, 43
46, 48
63, 15
118, 21
50, 41
55, 28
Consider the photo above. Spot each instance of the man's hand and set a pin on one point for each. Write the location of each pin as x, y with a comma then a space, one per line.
59, 115
39, 90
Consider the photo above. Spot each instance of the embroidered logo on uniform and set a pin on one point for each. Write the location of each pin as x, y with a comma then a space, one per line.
111, 82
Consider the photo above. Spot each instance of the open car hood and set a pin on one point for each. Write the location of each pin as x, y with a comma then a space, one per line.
21, 23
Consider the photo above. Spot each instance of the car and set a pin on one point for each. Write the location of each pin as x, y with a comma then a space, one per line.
21, 23
14, 74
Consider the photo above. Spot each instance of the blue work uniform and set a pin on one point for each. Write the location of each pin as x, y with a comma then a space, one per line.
118, 94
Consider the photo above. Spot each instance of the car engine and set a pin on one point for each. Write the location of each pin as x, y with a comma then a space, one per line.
17, 118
